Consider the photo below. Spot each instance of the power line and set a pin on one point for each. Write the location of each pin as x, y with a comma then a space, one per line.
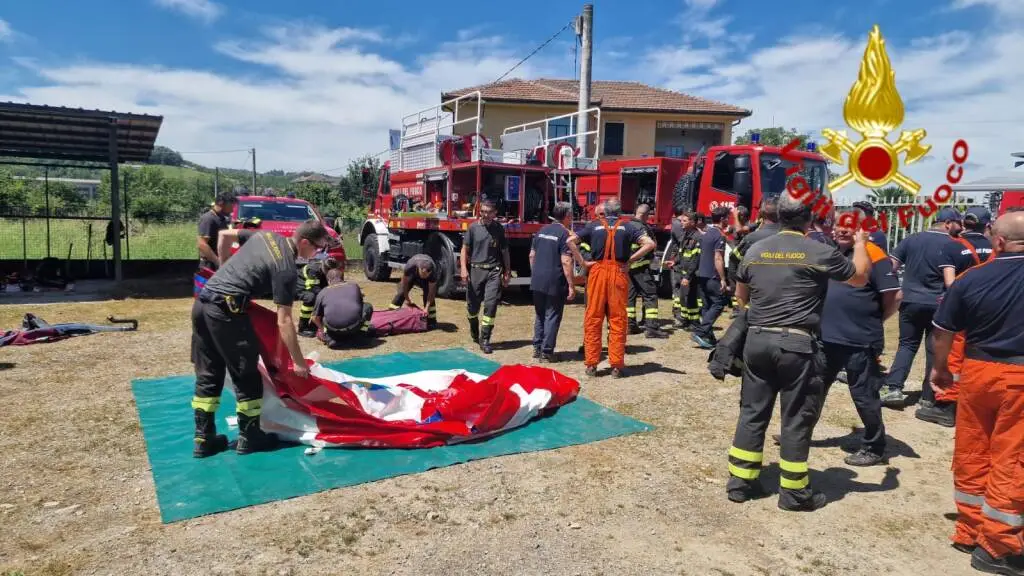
535, 50
217, 151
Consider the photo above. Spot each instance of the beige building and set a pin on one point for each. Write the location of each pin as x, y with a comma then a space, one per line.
636, 119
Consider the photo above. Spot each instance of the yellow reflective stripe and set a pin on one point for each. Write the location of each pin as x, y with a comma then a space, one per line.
206, 404
471, 316
794, 484
486, 321
743, 472
746, 455
794, 467
365, 327
585, 246
394, 307
650, 313
304, 308
249, 408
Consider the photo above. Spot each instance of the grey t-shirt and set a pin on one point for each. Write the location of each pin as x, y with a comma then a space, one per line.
264, 264
788, 276
210, 225
339, 305
486, 243
412, 268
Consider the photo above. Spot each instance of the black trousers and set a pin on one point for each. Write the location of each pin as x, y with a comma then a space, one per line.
334, 337
686, 298
641, 285
307, 299
548, 310
715, 299
915, 323
790, 366
864, 378
223, 343
483, 289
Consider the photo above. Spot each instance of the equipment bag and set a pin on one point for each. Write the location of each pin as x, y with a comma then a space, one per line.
405, 320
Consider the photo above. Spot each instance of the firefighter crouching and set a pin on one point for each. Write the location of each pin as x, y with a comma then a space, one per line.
340, 312
683, 259
608, 284
420, 270
784, 278
223, 338
641, 284
987, 304
483, 273
312, 279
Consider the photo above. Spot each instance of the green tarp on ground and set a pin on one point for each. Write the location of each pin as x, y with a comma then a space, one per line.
187, 487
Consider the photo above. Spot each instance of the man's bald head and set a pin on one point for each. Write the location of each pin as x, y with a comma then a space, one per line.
1008, 233
642, 211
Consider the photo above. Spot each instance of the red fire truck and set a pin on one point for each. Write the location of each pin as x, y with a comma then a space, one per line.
442, 167
731, 175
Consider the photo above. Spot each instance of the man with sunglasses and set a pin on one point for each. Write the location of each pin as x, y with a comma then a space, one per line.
223, 339
483, 273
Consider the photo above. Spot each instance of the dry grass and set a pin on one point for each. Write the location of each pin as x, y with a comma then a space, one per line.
643, 504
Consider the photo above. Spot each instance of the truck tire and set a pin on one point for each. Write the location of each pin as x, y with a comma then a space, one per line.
374, 265
444, 258
683, 193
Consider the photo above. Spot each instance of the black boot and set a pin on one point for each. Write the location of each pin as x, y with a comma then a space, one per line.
207, 441
653, 331
306, 328
983, 561
485, 340
677, 315
941, 413
252, 438
474, 329
634, 327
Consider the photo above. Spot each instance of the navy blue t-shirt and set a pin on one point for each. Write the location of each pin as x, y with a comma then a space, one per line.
878, 239
923, 256
822, 237
988, 303
630, 232
549, 244
711, 242
981, 244
853, 316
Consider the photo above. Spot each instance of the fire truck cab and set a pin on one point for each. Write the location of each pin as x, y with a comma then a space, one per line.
720, 176
442, 167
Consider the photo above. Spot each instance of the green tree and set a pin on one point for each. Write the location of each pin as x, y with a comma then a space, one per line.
359, 183
166, 156
781, 137
13, 194
890, 195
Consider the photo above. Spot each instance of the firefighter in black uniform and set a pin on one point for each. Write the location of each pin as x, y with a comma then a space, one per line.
420, 270
223, 339
483, 273
683, 259
210, 225
641, 284
312, 279
784, 279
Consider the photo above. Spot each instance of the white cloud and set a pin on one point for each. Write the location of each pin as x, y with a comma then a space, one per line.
957, 85
6, 32
1011, 8
320, 100
204, 10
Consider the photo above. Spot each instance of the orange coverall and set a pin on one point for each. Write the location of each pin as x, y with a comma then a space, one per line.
956, 353
607, 287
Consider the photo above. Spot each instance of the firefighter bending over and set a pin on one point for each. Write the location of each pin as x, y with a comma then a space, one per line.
784, 278
223, 338
340, 312
641, 284
483, 273
608, 284
683, 260
987, 304
420, 270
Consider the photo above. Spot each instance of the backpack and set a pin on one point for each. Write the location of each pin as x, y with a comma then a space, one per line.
405, 320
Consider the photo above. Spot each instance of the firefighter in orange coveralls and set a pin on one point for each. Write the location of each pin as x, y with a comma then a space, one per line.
977, 249
987, 304
608, 283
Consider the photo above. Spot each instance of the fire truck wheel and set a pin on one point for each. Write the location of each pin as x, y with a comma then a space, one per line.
374, 266
444, 256
683, 193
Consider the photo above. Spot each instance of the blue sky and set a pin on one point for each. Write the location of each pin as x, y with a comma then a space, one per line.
312, 84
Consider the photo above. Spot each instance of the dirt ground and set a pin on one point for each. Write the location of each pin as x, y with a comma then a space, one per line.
77, 497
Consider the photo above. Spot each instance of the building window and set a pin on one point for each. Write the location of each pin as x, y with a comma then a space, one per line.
614, 138
562, 128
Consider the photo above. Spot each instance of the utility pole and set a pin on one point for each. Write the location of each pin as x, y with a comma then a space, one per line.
585, 30
253, 152
216, 182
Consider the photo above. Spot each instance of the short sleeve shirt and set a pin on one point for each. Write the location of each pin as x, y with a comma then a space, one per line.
549, 245
923, 256
981, 244
987, 302
711, 242
210, 225
340, 306
264, 265
412, 268
596, 234
853, 316
486, 243
788, 276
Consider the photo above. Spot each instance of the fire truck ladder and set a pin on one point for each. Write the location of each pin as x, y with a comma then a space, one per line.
564, 185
